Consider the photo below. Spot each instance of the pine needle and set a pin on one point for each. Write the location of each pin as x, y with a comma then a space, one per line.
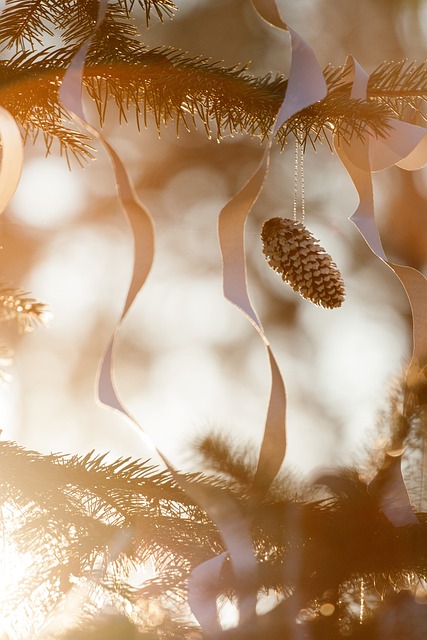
16, 305
187, 91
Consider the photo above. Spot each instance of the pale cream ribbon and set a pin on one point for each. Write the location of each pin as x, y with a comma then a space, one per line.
306, 85
12, 157
220, 507
139, 219
406, 146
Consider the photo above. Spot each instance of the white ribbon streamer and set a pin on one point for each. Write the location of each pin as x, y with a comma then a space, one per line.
219, 506
405, 145
306, 85
12, 157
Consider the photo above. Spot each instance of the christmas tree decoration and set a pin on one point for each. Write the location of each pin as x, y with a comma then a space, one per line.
292, 251
187, 89
25, 313
18, 306
344, 550
338, 566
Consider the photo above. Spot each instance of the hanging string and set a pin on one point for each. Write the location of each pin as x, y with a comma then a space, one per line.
296, 171
301, 166
362, 600
299, 182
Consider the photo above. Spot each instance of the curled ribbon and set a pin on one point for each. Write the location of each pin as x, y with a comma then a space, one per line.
406, 146
306, 85
220, 507
139, 219
12, 157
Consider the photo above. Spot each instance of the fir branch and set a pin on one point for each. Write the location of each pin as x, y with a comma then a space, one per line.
174, 87
187, 91
233, 463
24, 22
16, 304
30, 93
225, 100
80, 22
98, 500
84, 521
117, 31
161, 7
68, 514
190, 91
70, 143
400, 85
117, 27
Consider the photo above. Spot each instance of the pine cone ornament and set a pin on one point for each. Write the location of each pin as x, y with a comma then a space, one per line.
292, 251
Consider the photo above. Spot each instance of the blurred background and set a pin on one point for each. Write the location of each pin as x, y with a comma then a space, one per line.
188, 362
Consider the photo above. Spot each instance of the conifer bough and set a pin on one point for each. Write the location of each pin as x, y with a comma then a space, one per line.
172, 86
66, 514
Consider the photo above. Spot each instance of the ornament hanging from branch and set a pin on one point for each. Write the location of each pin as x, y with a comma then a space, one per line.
291, 250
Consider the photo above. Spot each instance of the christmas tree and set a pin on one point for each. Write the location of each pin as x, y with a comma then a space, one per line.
128, 548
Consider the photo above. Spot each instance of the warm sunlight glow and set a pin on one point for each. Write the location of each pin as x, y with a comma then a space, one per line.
198, 442
48, 193
13, 568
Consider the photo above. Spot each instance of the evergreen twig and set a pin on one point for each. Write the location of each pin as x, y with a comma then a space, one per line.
25, 23
16, 304
173, 87
84, 521
402, 86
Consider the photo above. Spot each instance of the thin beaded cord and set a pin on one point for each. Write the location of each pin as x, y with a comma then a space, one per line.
299, 178
296, 165
301, 166
362, 601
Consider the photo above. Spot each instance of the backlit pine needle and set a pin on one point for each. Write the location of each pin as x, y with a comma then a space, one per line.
17, 305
